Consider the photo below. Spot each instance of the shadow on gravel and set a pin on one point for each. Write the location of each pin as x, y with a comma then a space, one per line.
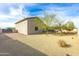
11, 47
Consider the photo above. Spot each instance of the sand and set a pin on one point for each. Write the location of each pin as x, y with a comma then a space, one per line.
48, 44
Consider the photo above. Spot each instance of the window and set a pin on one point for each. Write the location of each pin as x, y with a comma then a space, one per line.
36, 28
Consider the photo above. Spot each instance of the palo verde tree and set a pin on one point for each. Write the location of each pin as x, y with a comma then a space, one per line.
49, 21
59, 25
46, 23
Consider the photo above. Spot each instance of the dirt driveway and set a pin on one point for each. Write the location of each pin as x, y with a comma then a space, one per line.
41, 44
13, 47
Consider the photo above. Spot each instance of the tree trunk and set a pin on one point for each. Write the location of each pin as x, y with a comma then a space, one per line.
60, 29
47, 30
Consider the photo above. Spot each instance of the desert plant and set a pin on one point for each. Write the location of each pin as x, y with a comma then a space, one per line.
69, 26
68, 54
49, 21
62, 43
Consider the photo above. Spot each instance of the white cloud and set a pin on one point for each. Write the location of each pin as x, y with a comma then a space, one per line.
14, 14
8, 24
18, 13
62, 13
76, 21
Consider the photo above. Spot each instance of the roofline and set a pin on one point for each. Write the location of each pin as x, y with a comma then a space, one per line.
25, 19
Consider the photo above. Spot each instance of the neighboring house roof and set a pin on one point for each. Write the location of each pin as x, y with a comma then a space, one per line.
25, 19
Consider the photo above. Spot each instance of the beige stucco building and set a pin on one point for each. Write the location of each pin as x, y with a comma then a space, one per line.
27, 26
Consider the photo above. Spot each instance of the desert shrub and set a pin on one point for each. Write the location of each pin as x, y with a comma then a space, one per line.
69, 26
68, 54
72, 37
62, 43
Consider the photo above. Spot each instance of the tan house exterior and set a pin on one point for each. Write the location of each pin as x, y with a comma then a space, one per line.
27, 26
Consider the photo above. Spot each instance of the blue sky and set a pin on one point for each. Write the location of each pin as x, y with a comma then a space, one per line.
12, 12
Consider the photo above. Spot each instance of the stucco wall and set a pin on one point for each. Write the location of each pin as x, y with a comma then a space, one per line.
27, 27
31, 27
22, 27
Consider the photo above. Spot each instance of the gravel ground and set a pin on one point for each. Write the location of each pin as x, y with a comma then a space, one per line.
48, 44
